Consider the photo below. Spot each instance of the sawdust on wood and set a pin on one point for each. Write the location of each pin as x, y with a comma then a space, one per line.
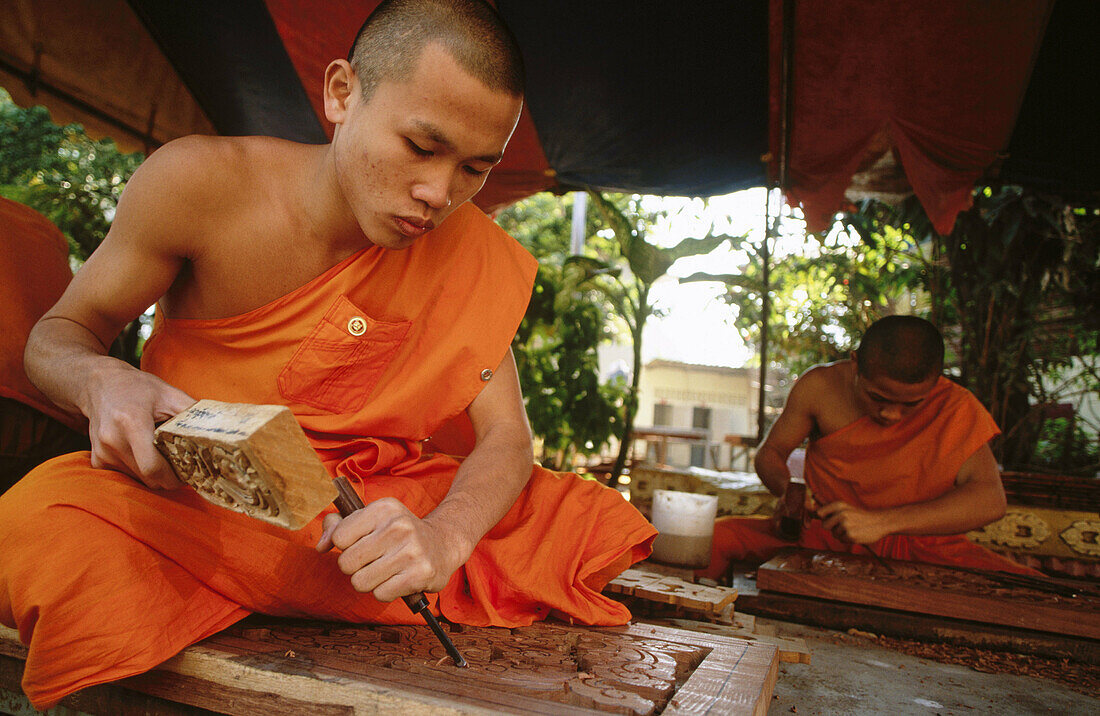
1082, 678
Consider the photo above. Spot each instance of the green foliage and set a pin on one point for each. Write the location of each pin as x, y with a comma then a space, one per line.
575, 299
73, 180
1015, 288
570, 411
1066, 447
823, 297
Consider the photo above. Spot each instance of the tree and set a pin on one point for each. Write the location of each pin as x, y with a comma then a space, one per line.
1017, 284
623, 272
71, 179
570, 411
823, 296
1015, 287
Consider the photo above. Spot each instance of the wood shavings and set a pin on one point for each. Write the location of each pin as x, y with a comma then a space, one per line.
1083, 678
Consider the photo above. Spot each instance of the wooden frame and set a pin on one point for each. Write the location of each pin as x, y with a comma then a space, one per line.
278, 666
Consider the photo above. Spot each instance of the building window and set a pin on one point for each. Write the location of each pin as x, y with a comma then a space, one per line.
662, 414
700, 418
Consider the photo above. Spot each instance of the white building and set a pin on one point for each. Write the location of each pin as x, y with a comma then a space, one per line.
720, 401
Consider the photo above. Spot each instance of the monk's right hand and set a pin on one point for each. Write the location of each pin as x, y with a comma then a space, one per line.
123, 406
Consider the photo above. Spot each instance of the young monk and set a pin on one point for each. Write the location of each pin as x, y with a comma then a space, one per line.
356, 284
898, 460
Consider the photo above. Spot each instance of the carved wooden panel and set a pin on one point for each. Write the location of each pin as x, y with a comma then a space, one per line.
544, 669
253, 459
991, 597
664, 589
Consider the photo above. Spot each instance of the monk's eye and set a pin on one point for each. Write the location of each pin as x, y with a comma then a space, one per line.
472, 171
417, 149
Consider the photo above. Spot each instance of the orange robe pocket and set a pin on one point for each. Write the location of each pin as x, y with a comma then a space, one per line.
341, 361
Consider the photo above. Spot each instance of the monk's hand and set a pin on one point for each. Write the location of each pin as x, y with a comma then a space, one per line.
389, 551
123, 410
852, 524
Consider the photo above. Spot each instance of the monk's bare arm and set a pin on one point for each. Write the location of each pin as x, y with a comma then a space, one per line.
977, 499
389, 551
791, 428
497, 469
66, 351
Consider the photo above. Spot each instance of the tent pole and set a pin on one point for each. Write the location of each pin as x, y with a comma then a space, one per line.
765, 309
771, 227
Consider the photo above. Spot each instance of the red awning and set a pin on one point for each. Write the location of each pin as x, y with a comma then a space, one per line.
937, 85
887, 97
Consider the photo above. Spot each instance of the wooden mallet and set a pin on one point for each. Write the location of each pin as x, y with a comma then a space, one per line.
255, 459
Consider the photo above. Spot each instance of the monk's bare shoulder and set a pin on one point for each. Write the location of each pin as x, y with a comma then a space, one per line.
193, 190
821, 392
173, 195
821, 382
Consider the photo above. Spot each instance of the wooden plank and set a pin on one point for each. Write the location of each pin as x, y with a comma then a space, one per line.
791, 651
10, 644
267, 666
843, 616
102, 700
672, 590
736, 677
630, 580
929, 589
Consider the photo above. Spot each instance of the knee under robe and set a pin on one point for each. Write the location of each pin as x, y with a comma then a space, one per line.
871, 466
104, 578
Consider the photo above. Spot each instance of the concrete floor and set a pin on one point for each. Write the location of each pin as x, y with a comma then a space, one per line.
860, 677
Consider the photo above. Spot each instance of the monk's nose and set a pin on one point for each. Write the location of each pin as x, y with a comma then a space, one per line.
434, 190
892, 414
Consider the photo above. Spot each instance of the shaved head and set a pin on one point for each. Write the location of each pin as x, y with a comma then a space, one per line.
391, 40
905, 348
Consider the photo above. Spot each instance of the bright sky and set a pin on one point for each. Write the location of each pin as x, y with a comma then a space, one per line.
697, 328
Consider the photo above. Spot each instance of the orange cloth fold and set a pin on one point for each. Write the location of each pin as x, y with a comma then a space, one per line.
34, 272
373, 357
871, 466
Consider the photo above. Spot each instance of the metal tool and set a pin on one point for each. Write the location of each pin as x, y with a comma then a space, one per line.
793, 511
880, 561
348, 502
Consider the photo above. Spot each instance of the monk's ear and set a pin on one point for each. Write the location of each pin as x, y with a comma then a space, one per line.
340, 85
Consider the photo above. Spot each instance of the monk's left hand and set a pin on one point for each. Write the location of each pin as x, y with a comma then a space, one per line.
852, 524
389, 551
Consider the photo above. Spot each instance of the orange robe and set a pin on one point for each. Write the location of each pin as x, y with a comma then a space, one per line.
876, 467
34, 272
105, 579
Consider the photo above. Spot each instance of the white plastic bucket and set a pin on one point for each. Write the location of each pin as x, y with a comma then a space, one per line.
685, 522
